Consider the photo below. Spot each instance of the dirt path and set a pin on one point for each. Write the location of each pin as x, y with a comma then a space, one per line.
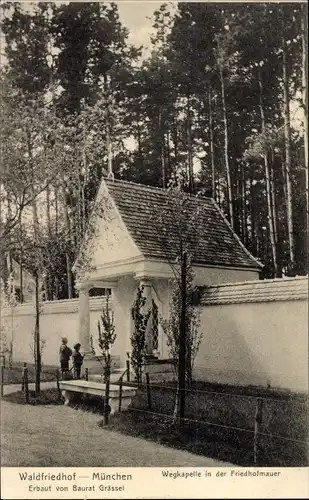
59, 436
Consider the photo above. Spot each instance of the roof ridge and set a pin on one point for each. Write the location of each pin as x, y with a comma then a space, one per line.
122, 181
261, 282
156, 188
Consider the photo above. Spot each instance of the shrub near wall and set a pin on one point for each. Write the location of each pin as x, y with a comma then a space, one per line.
221, 423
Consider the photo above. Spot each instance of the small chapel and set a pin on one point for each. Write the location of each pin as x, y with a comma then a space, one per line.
132, 240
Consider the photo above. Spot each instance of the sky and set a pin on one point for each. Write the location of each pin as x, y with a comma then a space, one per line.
133, 16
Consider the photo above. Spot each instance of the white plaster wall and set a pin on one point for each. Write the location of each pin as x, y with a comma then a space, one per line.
112, 242
249, 343
212, 275
123, 298
203, 275
255, 343
58, 319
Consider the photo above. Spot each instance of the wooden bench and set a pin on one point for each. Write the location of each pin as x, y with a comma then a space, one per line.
70, 387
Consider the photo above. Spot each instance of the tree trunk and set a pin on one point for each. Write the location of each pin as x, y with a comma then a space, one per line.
226, 152
69, 276
83, 201
83, 185
175, 141
48, 218
48, 210
168, 150
268, 188
237, 188
37, 305
21, 284
284, 181
182, 339
38, 363
176, 405
288, 159
220, 193
162, 147
244, 206
253, 218
189, 145
304, 30
78, 214
212, 149
110, 174
273, 198
68, 239
163, 167
56, 209
189, 364
21, 281
270, 214
56, 288
106, 402
274, 215
33, 202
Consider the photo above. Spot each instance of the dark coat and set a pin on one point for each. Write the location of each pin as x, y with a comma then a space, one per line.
65, 353
77, 358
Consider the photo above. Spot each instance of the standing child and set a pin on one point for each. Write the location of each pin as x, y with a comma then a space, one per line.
78, 359
65, 353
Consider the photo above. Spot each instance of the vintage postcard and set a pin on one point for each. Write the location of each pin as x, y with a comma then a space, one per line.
153, 252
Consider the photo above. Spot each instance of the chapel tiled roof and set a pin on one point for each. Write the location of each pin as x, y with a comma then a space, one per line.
141, 208
255, 291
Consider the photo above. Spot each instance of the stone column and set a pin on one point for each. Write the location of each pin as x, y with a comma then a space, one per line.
147, 293
84, 318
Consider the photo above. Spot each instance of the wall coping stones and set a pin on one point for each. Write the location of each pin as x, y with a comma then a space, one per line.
284, 289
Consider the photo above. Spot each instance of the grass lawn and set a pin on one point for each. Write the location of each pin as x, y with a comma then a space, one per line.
14, 375
215, 412
46, 397
218, 443
284, 414
53, 435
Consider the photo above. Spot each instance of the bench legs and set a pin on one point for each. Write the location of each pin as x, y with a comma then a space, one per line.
113, 402
66, 395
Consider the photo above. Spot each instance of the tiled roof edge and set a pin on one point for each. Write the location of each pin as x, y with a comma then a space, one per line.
261, 282
202, 263
85, 238
259, 264
120, 215
251, 300
261, 291
144, 186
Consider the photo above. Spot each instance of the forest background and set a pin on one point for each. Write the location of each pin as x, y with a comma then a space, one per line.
217, 102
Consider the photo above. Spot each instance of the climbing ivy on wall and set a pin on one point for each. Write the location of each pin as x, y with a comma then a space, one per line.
140, 319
